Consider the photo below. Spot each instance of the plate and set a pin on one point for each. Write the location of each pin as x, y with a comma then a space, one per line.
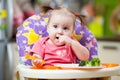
77, 67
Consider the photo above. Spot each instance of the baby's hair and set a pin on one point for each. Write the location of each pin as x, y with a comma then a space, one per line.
45, 9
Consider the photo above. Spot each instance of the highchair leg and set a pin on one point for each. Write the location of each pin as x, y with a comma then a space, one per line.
22, 78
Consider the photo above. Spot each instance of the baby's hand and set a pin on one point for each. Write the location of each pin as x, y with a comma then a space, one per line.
65, 40
38, 60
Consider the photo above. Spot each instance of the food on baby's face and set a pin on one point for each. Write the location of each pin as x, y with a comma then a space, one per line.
93, 62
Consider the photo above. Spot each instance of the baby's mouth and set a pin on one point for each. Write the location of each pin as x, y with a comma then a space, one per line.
57, 37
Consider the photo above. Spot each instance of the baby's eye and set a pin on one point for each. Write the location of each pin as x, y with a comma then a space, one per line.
65, 28
55, 26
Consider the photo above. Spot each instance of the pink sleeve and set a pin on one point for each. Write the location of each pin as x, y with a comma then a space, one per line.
38, 48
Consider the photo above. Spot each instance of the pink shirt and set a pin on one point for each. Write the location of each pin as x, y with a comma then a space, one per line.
52, 54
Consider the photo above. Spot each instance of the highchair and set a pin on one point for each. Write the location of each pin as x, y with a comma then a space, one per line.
34, 28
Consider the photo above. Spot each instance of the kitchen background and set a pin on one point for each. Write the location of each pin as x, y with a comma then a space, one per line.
103, 19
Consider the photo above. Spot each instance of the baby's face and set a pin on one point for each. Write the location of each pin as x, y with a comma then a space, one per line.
60, 25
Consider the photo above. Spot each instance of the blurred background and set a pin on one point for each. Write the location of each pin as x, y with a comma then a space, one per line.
103, 18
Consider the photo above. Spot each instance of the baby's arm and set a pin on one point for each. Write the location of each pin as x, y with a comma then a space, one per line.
37, 51
80, 51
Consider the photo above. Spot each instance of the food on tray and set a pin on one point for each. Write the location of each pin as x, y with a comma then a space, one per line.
84, 63
94, 62
108, 65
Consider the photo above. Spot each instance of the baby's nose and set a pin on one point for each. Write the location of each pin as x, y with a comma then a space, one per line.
60, 31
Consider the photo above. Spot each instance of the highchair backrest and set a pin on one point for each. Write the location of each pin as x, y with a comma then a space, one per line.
34, 28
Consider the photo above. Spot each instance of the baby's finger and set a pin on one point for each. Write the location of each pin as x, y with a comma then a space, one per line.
37, 56
35, 61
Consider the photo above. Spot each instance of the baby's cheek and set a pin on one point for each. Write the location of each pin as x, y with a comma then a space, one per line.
69, 34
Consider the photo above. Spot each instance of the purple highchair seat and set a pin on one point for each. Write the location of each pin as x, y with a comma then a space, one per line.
34, 28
